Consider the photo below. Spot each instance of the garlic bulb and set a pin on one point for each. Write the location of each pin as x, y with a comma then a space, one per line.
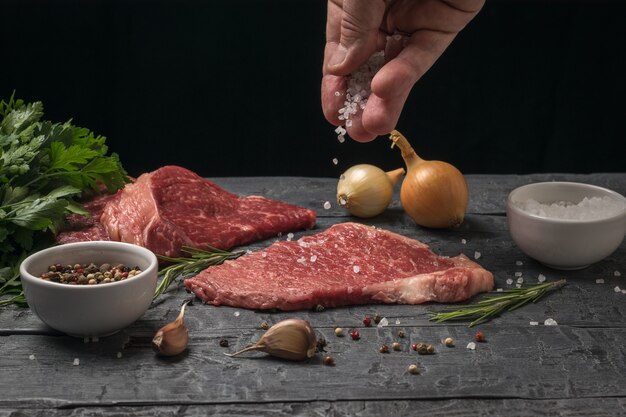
291, 339
172, 338
365, 190
434, 193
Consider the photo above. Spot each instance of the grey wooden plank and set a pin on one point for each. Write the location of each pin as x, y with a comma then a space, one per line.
534, 369
597, 407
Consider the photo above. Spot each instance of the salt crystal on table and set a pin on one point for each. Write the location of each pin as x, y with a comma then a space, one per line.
85, 339
519, 263
518, 285
499, 290
617, 274
616, 289
509, 281
327, 205
520, 280
248, 251
119, 355
541, 278
477, 255
335, 161
471, 346
534, 323
31, 357
623, 291
76, 362
289, 236
550, 322
599, 281
383, 322
95, 339
236, 314
397, 321
463, 241
518, 274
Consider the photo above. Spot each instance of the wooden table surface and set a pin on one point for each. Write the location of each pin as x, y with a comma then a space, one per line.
575, 368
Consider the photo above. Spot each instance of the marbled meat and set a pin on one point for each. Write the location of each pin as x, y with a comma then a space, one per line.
174, 207
348, 263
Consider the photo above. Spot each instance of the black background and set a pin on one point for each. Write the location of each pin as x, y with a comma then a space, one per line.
231, 88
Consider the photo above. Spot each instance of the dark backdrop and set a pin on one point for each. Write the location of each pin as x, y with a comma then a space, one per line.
232, 88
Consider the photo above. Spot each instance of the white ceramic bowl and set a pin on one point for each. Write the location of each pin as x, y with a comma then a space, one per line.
90, 310
564, 243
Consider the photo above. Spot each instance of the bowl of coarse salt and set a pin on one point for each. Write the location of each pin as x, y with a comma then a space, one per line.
566, 225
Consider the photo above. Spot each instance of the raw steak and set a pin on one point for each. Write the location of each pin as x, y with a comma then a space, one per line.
81, 228
349, 263
172, 206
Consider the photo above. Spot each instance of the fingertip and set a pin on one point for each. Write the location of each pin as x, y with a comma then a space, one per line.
381, 116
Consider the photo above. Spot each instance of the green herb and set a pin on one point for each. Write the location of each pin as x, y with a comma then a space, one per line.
496, 302
45, 168
197, 261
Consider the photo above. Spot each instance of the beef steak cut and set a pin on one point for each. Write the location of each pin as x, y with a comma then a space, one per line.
349, 263
172, 206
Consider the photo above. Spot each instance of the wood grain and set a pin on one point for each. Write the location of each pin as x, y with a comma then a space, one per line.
575, 368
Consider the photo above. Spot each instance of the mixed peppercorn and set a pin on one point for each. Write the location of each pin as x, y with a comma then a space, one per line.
89, 274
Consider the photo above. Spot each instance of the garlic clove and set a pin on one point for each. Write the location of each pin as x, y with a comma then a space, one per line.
291, 339
366, 190
172, 339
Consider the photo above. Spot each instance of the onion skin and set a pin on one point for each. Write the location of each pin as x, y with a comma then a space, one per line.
434, 193
366, 190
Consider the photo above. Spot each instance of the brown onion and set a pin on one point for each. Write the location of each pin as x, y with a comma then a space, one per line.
434, 193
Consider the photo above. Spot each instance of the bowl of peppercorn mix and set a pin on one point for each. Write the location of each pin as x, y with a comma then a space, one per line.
90, 289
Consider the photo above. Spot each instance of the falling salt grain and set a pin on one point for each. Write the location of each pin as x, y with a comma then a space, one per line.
335, 161
76, 362
617, 274
119, 355
541, 278
509, 281
85, 339
599, 281
31, 357
383, 322
356, 269
471, 346
518, 274
313, 258
95, 339
463, 241
550, 322
519, 263
518, 285
520, 280
616, 289
477, 255
534, 323
327, 205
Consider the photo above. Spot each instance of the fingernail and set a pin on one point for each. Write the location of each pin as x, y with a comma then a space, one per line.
339, 56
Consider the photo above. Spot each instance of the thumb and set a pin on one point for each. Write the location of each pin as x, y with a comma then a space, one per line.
360, 24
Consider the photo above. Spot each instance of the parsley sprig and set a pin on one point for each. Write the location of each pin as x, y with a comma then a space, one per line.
45, 168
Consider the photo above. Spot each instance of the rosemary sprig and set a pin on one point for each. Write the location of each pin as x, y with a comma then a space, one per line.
198, 260
496, 302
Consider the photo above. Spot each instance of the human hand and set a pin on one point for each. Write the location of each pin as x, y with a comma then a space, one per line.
413, 34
